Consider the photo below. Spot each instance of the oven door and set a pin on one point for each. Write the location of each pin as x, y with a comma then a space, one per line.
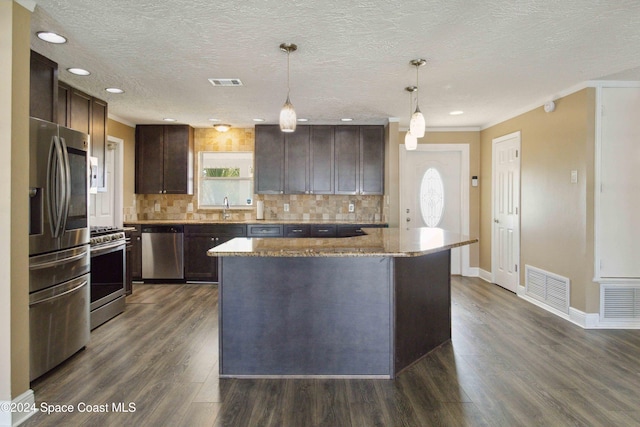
107, 273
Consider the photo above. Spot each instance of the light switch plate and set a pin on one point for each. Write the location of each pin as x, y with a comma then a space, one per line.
286, 207
574, 176
156, 207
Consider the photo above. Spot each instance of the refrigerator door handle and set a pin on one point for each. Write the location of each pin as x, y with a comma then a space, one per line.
66, 185
55, 167
58, 262
84, 283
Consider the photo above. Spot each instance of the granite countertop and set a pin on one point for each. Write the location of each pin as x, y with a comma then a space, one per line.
251, 221
394, 242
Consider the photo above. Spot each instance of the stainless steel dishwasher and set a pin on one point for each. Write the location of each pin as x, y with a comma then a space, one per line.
162, 252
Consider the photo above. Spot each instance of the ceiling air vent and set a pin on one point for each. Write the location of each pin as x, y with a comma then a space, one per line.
226, 82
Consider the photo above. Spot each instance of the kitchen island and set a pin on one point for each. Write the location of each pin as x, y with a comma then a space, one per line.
366, 306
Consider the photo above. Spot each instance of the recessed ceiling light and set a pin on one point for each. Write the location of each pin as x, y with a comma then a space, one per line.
114, 90
456, 112
258, 120
346, 119
78, 71
50, 37
169, 119
303, 120
214, 120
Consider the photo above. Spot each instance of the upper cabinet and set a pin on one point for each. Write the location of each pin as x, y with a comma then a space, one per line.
57, 102
43, 97
371, 160
164, 159
320, 160
88, 114
269, 160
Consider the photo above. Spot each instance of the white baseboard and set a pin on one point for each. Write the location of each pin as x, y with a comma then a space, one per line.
10, 418
485, 275
472, 272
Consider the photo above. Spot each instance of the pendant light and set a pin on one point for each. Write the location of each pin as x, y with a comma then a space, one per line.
410, 141
417, 124
288, 114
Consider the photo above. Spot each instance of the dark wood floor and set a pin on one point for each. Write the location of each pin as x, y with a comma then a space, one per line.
510, 363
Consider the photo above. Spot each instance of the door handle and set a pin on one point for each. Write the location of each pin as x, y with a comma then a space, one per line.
408, 219
496, 221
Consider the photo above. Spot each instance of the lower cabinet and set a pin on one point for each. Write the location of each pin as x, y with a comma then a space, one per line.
134, 254
198, 239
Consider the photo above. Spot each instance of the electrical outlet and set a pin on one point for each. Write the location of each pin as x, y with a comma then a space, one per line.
286, 207
190, 207
156, 207
352, 207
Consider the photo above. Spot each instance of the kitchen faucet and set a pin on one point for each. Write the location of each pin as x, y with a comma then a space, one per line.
225, 213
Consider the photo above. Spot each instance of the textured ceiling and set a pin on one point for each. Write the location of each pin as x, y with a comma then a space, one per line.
490, 59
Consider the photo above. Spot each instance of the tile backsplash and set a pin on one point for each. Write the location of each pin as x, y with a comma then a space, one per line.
178, 207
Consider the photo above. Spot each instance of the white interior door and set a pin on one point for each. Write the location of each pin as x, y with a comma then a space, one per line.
105, 207
618, 199
434, 192
506, 205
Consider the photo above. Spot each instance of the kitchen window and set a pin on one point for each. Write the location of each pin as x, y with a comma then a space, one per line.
225, 174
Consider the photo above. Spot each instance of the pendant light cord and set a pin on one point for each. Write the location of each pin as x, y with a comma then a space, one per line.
288, 73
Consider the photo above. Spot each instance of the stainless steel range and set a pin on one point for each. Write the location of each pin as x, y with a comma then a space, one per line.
107, 274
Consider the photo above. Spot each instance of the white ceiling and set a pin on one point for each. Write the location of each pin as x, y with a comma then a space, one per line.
491, 59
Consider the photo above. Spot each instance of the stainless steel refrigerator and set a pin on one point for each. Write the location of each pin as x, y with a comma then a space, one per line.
59, 255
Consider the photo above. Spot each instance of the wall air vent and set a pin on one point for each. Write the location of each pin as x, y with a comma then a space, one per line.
225, 82
549, 288
619, 302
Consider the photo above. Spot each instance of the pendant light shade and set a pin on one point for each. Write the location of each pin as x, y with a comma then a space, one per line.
410, 141
288, 119
417, 124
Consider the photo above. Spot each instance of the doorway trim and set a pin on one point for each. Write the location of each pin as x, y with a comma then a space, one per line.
494, 246
465, 268
118, 205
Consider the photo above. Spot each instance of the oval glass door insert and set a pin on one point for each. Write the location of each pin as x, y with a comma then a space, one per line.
432, 197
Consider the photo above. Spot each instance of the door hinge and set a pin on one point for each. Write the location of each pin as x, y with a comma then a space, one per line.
516, 268
516, 153
602, 110
516, 210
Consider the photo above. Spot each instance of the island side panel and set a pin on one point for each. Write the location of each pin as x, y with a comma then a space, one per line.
306, 316
422, 307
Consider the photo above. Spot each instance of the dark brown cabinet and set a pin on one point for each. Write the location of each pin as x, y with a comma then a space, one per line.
321, 163
320, 160
85, 113
296, 161
134, 253
371, 160
359, 166
198, 239
164, 159
43, 96
347, 159
269, 160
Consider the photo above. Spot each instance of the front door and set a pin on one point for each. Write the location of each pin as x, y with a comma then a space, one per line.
506, 205
432, 191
